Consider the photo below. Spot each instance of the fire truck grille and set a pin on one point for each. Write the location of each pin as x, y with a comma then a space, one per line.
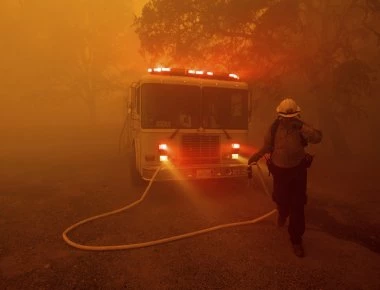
200, 149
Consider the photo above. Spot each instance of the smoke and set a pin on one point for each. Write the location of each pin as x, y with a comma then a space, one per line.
66, 69
65, 72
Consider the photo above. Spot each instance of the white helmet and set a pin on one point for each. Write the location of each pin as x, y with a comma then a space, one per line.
288, 108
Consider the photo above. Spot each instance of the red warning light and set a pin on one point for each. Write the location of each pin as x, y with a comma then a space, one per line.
234, 76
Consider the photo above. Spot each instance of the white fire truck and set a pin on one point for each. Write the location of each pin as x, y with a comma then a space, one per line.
191, 123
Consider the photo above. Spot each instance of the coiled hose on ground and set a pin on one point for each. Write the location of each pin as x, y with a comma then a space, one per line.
160, 241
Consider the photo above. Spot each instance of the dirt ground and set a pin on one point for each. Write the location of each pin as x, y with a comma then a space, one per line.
52, 179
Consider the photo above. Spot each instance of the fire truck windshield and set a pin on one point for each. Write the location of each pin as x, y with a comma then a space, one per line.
224, 108
175, 106
170, 106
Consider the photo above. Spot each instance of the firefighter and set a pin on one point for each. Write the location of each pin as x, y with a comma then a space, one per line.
285, 141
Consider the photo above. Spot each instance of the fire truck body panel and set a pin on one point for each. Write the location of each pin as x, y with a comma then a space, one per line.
189, 147
207, 155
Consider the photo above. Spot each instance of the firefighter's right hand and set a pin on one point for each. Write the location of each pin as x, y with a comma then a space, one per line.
297, 123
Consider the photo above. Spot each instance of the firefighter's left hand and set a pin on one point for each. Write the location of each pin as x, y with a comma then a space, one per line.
253, 159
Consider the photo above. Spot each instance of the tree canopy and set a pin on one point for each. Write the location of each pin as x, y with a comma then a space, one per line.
255, 36
332, 46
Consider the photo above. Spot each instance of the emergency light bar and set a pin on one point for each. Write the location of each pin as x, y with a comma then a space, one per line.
159, 69
192, 73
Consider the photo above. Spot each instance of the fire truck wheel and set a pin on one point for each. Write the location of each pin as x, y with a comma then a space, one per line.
134, 174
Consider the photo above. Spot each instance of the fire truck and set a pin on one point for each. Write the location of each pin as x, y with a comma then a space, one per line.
192, 124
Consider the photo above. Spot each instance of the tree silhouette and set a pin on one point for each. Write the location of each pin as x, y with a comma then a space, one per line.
91, 41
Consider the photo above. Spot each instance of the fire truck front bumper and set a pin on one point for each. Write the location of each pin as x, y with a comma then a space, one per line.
168, 172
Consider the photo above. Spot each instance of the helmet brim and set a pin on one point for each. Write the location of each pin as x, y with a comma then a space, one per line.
288, 115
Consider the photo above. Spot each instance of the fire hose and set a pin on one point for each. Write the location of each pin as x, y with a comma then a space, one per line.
164, 240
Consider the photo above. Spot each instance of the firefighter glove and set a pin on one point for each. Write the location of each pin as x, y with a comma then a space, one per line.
253, 159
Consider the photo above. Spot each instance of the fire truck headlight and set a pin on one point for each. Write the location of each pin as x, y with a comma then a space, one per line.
235, 150
235, 146
163, 147
163, 152
164, 158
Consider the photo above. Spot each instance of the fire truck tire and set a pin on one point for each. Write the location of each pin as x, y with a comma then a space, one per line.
134, 174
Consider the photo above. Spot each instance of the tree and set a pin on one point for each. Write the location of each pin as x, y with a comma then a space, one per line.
322, 42
88, 40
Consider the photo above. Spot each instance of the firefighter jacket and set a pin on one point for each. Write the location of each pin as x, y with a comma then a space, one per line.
288, 148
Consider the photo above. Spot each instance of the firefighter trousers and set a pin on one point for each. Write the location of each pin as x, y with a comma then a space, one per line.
289, 193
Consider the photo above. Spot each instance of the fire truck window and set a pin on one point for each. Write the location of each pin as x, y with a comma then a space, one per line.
225, 108
170, 106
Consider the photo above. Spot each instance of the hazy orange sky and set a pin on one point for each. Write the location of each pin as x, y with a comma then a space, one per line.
25, 89
138, 4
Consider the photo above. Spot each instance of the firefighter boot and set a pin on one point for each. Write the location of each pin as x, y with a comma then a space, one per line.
280, 221
298, 250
